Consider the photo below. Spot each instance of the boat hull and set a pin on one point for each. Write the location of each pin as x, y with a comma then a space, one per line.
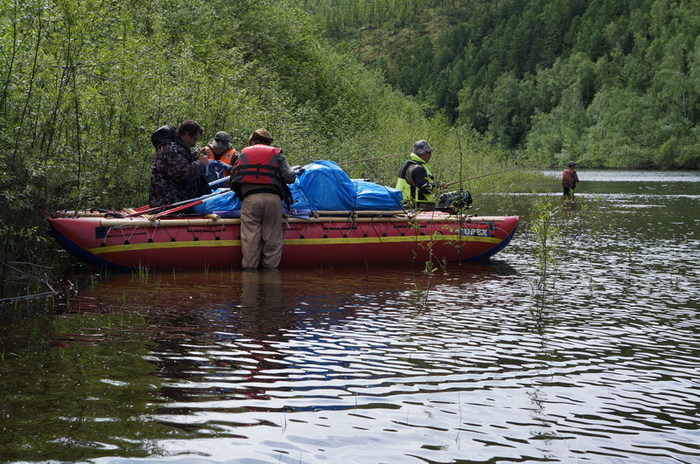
201, 243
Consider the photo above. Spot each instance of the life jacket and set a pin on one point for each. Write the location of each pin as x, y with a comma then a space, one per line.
411, 192
257, 165
226, 157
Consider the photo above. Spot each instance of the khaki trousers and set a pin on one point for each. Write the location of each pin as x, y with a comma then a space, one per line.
261, 230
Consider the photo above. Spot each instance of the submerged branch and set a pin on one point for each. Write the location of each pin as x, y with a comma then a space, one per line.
35, 296
29, 277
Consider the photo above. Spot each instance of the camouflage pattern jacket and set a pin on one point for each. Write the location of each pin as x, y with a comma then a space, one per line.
176, 175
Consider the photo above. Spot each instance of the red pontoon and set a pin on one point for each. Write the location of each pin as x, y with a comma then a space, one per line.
326, 238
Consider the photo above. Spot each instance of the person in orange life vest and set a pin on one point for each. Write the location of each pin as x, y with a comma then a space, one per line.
569, 179
221, 155
259, 178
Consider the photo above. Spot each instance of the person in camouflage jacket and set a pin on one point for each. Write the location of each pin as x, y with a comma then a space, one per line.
177, 174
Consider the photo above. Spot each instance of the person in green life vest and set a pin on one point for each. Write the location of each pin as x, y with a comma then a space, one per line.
416, 182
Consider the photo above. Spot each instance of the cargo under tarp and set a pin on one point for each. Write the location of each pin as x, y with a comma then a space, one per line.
321, 186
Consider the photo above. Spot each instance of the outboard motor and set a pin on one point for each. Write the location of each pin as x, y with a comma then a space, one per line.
455, 202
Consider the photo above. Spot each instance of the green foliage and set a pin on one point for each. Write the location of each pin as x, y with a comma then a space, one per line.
84, 83
546, 236
607, 83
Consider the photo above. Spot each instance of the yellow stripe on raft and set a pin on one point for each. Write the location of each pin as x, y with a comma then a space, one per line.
363, 240
293, 241
162, 245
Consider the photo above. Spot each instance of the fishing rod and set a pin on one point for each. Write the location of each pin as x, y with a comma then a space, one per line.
372, 158
461, 154
478, 177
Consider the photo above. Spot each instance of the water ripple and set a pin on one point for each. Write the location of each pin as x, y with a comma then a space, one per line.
469, 364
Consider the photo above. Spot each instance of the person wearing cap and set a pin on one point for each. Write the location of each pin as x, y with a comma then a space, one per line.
260, 176
569, 179
177, 174
415, 181
220, 154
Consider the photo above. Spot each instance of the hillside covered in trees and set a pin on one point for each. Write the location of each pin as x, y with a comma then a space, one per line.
609, 83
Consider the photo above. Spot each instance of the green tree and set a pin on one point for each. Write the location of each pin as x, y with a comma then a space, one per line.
483, 51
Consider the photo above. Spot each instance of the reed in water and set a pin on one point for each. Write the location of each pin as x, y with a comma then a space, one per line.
546, 236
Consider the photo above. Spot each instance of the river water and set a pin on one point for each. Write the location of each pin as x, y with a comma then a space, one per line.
479, 363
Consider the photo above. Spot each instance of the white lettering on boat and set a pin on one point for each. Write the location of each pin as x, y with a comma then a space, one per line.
475, 232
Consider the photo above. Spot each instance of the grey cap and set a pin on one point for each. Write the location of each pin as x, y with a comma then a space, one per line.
422, 147
571, 164
221, 141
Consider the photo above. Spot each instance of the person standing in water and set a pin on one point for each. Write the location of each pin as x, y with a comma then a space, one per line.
259, 178
569, 179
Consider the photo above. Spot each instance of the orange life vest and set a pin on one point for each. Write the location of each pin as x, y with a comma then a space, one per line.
227, 156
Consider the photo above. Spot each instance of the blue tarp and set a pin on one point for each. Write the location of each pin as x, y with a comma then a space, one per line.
223, 204
322, 186
375, 197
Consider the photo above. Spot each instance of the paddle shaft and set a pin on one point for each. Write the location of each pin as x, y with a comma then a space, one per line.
146, 209
178, 208
190, 203
219, 181
139, 212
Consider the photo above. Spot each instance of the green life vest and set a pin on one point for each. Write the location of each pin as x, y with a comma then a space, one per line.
411, 193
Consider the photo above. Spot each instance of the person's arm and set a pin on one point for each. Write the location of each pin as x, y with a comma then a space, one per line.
181, 166
288, 176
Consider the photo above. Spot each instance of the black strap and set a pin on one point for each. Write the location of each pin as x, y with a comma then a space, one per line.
261, 190
255, 170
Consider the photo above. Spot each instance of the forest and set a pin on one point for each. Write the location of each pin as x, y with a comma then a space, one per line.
608, 83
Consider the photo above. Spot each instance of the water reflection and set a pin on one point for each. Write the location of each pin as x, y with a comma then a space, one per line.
383, 364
